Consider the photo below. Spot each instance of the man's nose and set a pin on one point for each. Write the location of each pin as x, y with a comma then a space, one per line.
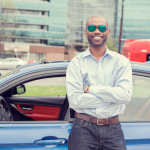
97, 31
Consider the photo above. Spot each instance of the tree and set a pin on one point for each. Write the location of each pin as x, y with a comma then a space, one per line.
7, 18
111, 44
85, 43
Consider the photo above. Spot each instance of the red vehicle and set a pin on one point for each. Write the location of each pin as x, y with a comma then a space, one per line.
137, 50
28, 61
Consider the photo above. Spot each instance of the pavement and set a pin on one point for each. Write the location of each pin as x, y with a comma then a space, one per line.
5, 71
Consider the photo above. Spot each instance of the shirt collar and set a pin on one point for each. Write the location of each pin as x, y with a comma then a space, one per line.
87, 52
107, 52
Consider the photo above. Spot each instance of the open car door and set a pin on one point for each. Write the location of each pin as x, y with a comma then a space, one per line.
38, 113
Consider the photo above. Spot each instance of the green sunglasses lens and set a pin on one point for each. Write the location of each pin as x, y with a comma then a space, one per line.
91, 28
102, 28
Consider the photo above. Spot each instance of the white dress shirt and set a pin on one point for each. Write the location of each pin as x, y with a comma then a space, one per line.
110, 81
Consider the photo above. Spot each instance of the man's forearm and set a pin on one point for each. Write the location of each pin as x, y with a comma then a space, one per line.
110, 94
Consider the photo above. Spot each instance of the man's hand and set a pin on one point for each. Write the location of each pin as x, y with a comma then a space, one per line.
86, 88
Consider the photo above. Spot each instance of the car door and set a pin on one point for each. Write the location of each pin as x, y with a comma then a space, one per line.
1, 65
5, 64
14, 63
45, 130
135, 120
34, 135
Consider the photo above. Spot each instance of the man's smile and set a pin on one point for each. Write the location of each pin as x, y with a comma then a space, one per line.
97, 37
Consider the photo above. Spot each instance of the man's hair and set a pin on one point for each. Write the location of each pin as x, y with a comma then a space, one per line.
96, 16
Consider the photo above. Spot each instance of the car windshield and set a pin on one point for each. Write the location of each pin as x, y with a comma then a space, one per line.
8, 74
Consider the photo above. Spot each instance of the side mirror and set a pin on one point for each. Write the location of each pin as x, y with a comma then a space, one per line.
20, 89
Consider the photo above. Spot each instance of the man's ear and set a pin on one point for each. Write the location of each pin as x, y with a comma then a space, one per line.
108, 32
85, 32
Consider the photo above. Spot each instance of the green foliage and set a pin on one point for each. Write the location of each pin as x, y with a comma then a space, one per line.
85, 43
7, 12
111, 44
44, 91
7, 7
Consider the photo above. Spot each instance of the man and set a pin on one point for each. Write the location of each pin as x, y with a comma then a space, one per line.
99, 84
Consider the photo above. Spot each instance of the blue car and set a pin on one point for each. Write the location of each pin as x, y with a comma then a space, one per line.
147, 62
35, 96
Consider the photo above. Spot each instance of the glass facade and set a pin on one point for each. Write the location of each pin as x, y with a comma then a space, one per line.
80, 10
56, 22
38, 21
135, 19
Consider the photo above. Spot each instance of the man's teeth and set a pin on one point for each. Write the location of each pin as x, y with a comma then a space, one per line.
97, 37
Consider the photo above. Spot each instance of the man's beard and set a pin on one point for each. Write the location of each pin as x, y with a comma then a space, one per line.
96, 45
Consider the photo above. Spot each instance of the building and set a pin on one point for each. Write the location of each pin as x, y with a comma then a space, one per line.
78, 13
51, 29
40, 24
135, 19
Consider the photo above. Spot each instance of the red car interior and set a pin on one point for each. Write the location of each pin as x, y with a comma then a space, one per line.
39, 113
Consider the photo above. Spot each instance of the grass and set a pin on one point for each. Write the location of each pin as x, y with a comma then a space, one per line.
61, 91
44, 91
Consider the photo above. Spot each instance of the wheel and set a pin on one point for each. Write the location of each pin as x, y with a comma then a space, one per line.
5, 113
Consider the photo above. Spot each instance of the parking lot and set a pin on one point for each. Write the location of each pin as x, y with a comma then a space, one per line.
5, 71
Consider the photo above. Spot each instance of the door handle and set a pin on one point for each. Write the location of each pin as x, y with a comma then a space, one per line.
25, 108
51, 140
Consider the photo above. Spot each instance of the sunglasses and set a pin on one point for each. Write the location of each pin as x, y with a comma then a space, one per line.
101, 28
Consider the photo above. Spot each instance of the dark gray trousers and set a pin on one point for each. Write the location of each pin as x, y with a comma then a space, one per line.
90, 136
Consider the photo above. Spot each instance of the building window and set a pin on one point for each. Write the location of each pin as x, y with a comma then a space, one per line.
34, 0
26, 26
25, 40
25, 12
37, 56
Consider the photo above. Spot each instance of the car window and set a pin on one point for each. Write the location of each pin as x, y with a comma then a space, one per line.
26, 60
14, 60
8, 60
139, 107
46, 87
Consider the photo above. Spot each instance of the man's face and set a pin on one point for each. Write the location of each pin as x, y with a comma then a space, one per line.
97, 38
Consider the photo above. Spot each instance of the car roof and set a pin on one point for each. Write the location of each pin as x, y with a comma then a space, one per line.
39, 66
12, 58
137, 66
29, 68
44, 64
147, 62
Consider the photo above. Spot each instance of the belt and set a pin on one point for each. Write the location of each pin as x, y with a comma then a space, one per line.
98, 121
